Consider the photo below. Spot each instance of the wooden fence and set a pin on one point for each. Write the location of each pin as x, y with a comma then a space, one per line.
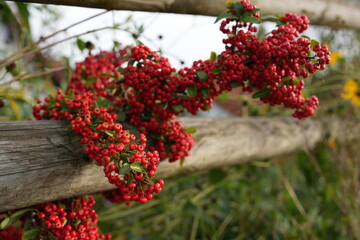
40, 161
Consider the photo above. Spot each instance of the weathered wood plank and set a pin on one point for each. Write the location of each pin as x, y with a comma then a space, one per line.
322, 12
41, 162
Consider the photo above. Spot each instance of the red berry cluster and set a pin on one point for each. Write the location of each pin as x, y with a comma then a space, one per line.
71, 219
126, 163
11, 233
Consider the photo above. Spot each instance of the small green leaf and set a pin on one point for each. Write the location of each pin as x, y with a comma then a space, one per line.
137, 167
251, 19
202, 75
205, 92
14, 217
77, 223
110, 133
270, 18
262, 93
177, 108
125, 169
21, 212
189, 130
212, 57
5, 223
226, 15
304, 36
248, 13
234, 84
239, 8
148, 179
131, 62
230, 5
217, 71
216, 175
127, 57
121, 116
224, 96
80, 44
71, 93
285, 78
182, 162
191, 91
125, 154
30, 234
138, 42
280, 22
314, 43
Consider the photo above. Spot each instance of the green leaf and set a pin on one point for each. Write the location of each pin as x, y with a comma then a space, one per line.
230, 5
14, 217
304, 36
177, 108
5, 223
148, 179
205, 92
189, 130
216, 175
234, 84
239, 8
127, 57
137, 167
191, 91
202, 75
110, 133
21, 212
212, 57
121, 116
224, 96
71, 93
314, 43
131, 62
251, 19
248, 13
81, 44
138, 42
125, 154
262, 93
125, 169
182, 162
30, 234
226, 15
270, 18
217, 71
280, 22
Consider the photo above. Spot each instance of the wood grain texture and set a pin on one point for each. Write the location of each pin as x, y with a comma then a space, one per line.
322, 12
40, 161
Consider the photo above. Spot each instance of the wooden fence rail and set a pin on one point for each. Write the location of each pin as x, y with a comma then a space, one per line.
41, 162
335, 13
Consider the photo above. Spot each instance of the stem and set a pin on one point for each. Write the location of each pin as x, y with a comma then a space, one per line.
32, 75
53, 44
43, 39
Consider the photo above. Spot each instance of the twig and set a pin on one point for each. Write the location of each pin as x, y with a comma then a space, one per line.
43, 39
51, 45
32, 75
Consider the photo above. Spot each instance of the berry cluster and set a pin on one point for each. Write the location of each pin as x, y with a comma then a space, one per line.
125, 162
71, 219
11, 233
143, 89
